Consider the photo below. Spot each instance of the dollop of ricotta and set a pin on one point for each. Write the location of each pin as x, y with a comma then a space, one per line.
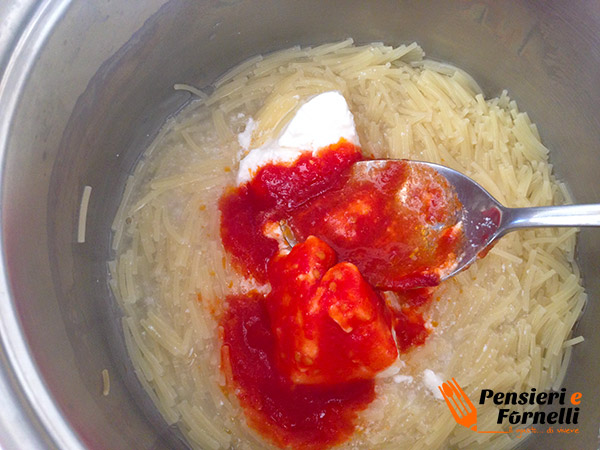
322, 121
431, 380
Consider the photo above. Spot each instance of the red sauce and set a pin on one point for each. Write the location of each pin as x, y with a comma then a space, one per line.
241, 232
410, 329
407, 309
274, 191
395, 244
318, 307
290, 415
302, 359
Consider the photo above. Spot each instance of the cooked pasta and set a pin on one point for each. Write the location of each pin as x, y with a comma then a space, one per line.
503, 324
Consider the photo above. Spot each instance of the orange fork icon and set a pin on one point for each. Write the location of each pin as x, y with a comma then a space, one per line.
461, 407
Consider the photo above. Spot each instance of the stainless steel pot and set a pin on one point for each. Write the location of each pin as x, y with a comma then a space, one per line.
84, 87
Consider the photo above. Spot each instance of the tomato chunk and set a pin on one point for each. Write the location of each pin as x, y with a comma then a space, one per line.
330, 325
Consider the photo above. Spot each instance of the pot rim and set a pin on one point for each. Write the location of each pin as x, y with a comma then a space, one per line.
30, 418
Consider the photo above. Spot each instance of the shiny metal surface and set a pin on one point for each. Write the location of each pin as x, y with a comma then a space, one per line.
29, 418
85, 85
485, 220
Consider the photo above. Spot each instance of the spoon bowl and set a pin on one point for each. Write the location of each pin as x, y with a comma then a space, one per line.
484, 219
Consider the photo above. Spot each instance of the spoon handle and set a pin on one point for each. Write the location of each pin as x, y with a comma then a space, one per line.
552, 216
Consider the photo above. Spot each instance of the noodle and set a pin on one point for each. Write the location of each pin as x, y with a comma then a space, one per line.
503, 324
105, 382
83, 208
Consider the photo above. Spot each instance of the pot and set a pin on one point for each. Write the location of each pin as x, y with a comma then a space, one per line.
86, 85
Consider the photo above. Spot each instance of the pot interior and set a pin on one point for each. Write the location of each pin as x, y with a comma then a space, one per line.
99, 85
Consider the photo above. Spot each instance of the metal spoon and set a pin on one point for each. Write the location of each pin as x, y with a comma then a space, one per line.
485, 220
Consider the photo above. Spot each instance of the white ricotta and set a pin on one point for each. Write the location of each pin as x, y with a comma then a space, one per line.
273, 230
321, 121
431, 381
245, 137
392, 370
258, 157
403, 379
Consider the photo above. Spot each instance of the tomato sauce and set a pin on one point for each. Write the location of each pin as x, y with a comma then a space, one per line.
318, 307
290, 415
274, 191
344, 301
395, 223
